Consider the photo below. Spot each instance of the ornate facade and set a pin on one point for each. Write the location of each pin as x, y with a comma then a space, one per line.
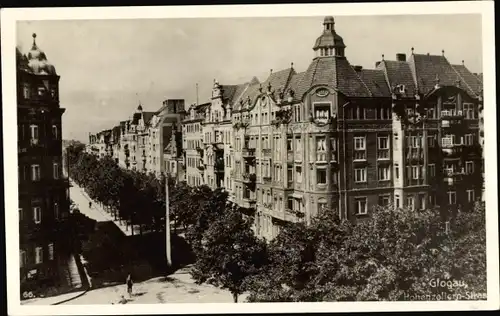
43, 190
342, 137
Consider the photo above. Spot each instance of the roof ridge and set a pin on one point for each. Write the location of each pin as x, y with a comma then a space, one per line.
462, 78
242, 92
413, 70
314, 72
359, 78
289, 78
386, 75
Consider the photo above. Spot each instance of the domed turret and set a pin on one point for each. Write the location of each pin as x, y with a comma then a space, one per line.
329, 43
37, 61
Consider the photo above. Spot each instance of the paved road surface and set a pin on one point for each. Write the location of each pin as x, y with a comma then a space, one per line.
179, 288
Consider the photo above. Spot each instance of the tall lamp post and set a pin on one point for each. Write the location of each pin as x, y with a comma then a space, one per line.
168, 250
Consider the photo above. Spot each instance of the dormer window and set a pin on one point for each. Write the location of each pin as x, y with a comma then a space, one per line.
401, 88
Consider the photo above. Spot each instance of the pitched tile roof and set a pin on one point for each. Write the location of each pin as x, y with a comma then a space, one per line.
200, 108
147, 116
294, 81
228, 91
398, 72
232, 92
335, 72
472, 82
374, 79
429, 68
250, 93
279, 80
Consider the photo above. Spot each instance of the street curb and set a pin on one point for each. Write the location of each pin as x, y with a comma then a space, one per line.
72, 298
89, 282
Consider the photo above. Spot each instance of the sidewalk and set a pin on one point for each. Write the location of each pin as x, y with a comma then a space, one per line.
54, 300
98, 213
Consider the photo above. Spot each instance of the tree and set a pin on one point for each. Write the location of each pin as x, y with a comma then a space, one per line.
203, 208
394, 255
229, 253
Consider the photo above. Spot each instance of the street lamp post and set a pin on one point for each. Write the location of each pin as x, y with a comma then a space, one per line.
168, 251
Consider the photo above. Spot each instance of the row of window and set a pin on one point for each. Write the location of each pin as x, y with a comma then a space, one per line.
415, 172
361, 203
192, 128
194, 180
192, 143
218, 137
36, 214
39, 255
41, 90
35, 174
34, 132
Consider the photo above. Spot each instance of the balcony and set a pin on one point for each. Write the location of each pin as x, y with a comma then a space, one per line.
415, 154
218, 145
249, 177
266, 152
451, 149
201, 166
321, 157
268, 206
249, 202
266, 179
452, 177
248, 152
452, 115
219, 166
286, 215
200, 151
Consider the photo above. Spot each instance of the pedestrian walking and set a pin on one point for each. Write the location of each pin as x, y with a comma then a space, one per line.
129, 283
90, 204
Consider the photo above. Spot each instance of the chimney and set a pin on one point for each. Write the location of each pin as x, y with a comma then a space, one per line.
358, 68
377, 63
401, 57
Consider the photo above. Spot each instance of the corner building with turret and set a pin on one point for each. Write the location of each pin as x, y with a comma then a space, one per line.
342, 137
45, 255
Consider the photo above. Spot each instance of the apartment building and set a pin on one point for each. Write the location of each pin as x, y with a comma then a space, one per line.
147, 142
338, 136
43, 191
193, 144
169, 126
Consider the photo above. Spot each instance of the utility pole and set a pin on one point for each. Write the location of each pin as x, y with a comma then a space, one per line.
196, 94
167, 224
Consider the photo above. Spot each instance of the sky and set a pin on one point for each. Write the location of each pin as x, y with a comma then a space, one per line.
108, 66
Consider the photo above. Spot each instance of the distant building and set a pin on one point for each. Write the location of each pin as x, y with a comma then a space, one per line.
43, 190
148, 142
